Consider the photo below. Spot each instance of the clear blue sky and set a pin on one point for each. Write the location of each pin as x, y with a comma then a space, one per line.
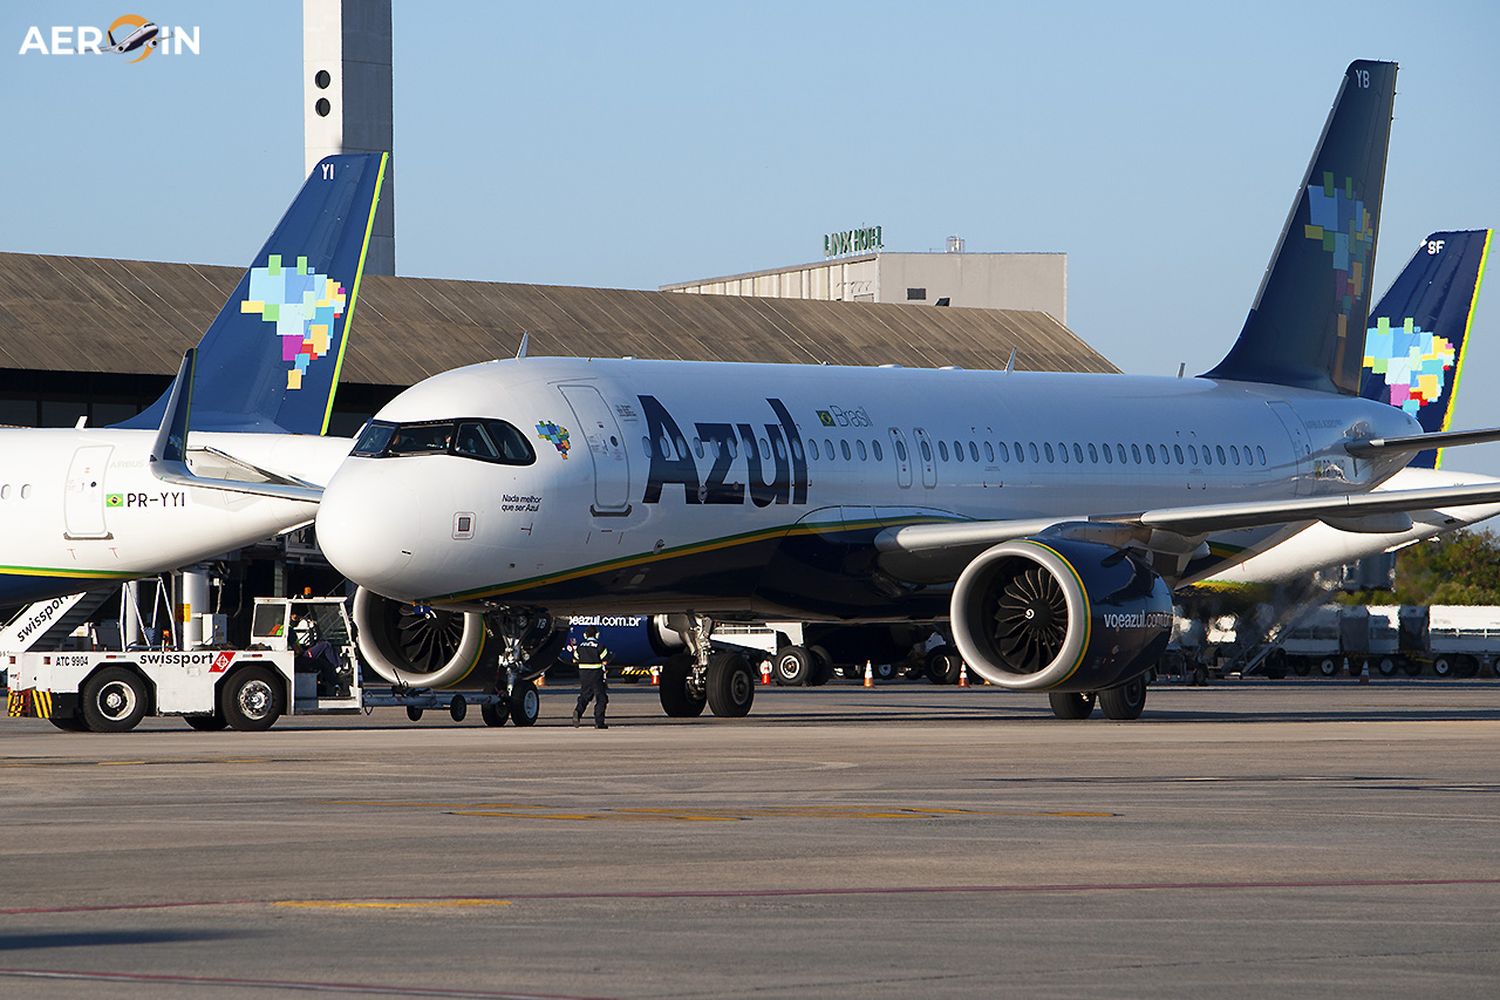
629, 145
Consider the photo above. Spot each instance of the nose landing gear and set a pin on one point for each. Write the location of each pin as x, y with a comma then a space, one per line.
530, 641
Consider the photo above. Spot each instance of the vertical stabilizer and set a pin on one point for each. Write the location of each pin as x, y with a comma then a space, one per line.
1419, 331
1307, 324
270, 360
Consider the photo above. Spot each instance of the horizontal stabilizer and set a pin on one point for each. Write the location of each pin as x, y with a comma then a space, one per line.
168, 459
1421, 442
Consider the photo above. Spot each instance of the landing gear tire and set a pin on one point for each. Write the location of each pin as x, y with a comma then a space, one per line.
731, 685
677, 699
114, 701
252, 700
495, 714
414, 713
823, 667
70, 724
1072, 704
794, 666
943, 665
1125, 702
207, 723
458, 708
525, 703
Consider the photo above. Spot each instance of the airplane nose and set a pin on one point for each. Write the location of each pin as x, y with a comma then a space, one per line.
367, 527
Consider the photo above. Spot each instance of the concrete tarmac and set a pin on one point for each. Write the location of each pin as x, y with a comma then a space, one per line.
1289, 839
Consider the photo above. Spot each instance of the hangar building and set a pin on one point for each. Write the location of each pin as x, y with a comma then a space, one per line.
85, 336
1031, 281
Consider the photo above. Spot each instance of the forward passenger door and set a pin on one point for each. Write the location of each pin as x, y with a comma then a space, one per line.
606, 447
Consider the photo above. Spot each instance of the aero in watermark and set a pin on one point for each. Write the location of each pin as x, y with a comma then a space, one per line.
128, 34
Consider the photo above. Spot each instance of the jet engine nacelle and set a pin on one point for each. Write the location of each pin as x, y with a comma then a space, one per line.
1060, 615
632, 640
412, 645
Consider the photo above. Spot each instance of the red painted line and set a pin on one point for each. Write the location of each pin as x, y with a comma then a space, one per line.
903, 890
307, 986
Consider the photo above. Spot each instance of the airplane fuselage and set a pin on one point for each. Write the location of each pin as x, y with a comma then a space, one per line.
754, 490
81, 507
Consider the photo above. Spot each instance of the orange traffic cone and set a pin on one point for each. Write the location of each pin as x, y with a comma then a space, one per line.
963, 675
656, 676
1364, 673
765, 672
541, 680
869, 675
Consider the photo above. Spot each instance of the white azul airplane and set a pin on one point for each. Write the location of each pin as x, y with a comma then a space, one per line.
1047, 516
87, 507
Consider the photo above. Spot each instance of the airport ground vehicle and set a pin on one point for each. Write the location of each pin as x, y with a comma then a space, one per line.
1331, 640
295, 666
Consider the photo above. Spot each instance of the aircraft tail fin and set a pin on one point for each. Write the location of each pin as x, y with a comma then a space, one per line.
1307, 323
270, 361
1419, 331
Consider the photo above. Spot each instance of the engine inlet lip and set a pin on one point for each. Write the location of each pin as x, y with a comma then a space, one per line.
966, 608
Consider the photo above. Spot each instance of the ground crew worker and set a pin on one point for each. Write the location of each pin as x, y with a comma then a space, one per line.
590, 657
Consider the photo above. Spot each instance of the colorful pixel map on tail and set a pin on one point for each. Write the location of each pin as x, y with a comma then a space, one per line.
302, 304
1338, 218
1415, 362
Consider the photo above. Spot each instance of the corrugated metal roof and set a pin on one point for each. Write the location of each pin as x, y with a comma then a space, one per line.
92, 314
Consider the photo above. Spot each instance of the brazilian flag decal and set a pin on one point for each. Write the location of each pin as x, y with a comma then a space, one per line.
825, 418
114, 500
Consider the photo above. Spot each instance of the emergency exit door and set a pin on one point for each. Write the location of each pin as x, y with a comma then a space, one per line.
903, 458
606, 448
83, 495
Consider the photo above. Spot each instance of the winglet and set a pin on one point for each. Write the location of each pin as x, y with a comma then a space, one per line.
525, 340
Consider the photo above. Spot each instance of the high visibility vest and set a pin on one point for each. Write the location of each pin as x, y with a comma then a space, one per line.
590, 655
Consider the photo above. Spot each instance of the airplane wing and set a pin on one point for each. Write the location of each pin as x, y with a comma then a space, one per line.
937, 551
168, 461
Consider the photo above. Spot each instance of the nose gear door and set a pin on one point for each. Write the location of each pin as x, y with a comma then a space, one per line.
606, 450
83, 496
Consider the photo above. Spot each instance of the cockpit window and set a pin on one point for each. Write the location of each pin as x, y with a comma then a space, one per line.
493, 441
486, 440
373, 439
420, 439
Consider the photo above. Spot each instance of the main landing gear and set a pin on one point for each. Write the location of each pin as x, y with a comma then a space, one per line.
725, 682
1122, 703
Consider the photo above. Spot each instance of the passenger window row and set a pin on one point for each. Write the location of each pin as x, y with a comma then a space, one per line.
1102, 453
1005, 452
